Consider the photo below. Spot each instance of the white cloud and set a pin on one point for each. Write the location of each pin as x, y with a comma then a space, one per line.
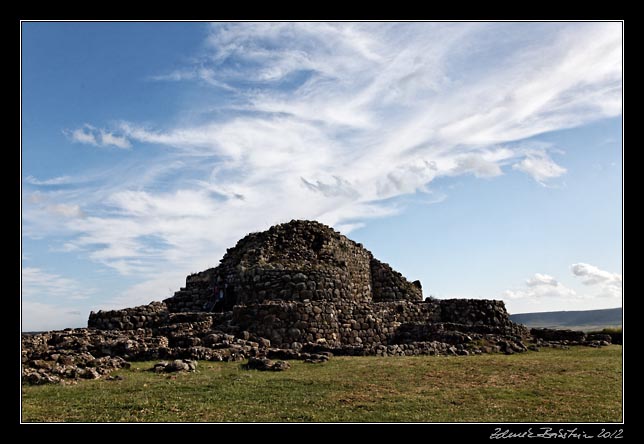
60, 180
608, 284
540, 166
203, 74
90, 135
153, 289
84, 135
348, 228
605, 284
111, 139
541, 286
37, 283
52, 212
477, 165
37, 316
333, 121
35, 198
65, 210
541, 279
593, 275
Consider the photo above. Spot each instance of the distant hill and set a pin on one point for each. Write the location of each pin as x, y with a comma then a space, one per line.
574, 320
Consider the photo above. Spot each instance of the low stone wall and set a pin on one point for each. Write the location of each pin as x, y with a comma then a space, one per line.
154, 316
548, 334
474, 312
616, 338
335, 323
143, 316
453, 333
286, 323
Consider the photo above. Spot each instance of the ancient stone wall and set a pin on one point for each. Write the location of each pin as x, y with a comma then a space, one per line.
390, 285
295, 289
153, 316
339, 271
294, 262
474, 311
548, 334
143, 316
259, 285
341, 323
193, 297
333, 322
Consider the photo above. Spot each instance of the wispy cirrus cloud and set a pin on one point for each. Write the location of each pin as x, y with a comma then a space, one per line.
65, 210
40, 316
37, 282
60, 180
334, 121
90, 135
540, 166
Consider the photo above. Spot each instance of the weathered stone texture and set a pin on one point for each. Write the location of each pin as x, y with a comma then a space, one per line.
296, 291
294, 262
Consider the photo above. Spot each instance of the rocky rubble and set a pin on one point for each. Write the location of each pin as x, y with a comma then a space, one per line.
178, 365
75, 354
83, 353
561, 338
265, 364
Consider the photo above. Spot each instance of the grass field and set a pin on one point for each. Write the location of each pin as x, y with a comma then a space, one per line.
580, 384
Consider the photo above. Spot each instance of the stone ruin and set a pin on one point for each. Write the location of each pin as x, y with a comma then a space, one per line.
299, 290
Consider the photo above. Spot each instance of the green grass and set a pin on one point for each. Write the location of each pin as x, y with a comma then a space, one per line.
579, 384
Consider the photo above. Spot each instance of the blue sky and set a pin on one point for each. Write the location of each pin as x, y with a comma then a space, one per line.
484, 159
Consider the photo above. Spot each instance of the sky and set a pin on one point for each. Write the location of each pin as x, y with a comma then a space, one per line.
484, 159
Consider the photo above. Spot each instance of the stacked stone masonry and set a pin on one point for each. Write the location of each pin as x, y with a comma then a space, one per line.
286, 323
299, 290
297, 261
303, 282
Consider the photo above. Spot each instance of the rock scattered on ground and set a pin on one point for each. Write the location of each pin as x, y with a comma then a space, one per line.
265, 364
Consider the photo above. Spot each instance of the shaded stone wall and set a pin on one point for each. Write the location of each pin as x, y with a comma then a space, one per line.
258, 285
143, 316
330, 322
474, 312
390, 285
192, 297
153, 316
338, 323
357, 282
296, 261
548, 334
340, 272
